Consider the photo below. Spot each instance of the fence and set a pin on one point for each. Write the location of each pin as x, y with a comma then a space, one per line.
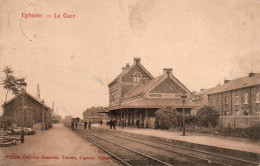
239, 121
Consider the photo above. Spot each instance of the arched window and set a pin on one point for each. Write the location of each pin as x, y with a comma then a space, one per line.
137, 77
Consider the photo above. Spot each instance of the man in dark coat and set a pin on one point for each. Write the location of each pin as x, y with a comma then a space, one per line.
72, 125
85, 124
110, 123
89, 125
114, 124
22, 136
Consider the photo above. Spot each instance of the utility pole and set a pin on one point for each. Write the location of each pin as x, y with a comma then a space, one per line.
38, 92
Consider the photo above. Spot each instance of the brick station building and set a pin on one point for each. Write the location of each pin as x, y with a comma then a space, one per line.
24, 110
135, 95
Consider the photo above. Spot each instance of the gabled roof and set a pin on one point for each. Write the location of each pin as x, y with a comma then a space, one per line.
142, 88
28, 94
238, 83
123, 73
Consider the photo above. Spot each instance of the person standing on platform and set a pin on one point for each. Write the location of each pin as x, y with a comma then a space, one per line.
76, 124
114, 124
122, 124
85, 124
110, 123
22, 136
89, 125
72, 125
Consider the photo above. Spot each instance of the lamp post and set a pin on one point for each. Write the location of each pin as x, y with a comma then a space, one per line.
184, 96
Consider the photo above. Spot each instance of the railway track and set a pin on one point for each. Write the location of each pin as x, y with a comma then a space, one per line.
133, 150
199, 154
126, 156
118, 147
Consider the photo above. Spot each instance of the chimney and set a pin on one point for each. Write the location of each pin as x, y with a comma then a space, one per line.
167, 71
226, 81
137, 60
123, 69
127, 65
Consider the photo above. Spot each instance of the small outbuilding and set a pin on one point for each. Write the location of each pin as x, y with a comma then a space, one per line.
24, 110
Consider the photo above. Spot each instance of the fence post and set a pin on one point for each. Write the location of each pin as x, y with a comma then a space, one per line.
229, 128
209, 126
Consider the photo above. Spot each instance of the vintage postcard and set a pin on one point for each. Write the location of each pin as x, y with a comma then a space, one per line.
129, 82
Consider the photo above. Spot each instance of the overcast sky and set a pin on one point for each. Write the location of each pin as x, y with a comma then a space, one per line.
74, 59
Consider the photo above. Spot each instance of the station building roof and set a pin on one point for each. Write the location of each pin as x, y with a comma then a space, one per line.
252, 80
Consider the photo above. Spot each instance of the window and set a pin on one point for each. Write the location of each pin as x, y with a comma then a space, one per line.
137, 77
236, 99
226, 100
257, 97
218, 102
246, 112
246, 98
212, 102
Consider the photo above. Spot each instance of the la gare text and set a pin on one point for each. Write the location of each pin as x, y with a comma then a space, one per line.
54, 15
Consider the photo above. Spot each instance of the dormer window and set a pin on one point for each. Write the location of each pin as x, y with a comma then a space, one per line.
137, 77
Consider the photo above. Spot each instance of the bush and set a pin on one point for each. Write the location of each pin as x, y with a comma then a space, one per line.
166, 118
207, 116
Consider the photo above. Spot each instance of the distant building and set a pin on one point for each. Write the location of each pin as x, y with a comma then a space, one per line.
56, 118
93, 114
24, 110
238, 98
135, 95
200, 99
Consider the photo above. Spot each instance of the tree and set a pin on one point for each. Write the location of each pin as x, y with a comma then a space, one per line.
166, 118
207, 116
11, 82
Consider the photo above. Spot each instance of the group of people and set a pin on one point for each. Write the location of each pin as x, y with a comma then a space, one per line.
87, 124
74, 124
112, 123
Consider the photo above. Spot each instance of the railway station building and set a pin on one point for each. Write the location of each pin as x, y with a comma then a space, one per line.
135, 95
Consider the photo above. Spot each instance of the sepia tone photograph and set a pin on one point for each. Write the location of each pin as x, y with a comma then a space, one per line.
129, 82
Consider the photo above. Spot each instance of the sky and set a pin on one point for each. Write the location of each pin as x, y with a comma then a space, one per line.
74, 59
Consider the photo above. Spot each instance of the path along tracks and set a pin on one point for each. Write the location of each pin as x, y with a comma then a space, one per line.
134, 150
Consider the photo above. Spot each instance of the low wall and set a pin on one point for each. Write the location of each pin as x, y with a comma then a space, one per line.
239, 121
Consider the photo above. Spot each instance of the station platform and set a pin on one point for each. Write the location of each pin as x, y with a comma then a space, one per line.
237, 144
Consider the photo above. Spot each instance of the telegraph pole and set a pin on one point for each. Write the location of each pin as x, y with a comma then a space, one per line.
38, 92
